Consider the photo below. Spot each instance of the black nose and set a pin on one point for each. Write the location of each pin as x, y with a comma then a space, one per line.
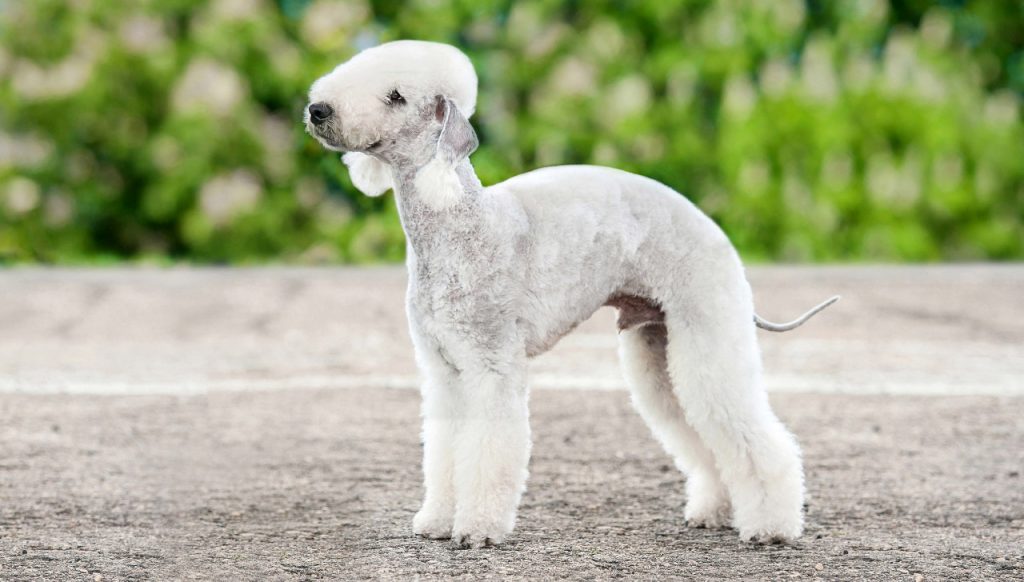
319, 112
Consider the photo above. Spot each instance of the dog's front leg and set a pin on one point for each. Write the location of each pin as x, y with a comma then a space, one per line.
435, 518
437, 515
492, 449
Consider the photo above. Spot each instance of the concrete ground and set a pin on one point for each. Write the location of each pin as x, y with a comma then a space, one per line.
256, 424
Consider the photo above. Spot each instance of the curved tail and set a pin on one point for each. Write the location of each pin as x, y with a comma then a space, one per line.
770, 326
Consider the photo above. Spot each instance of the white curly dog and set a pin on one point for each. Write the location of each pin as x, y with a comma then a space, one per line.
497, 275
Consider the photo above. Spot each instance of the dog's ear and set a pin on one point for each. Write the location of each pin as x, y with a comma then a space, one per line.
437, 181
370, 175
457, 139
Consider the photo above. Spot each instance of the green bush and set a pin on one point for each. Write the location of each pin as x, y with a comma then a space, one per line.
849, 130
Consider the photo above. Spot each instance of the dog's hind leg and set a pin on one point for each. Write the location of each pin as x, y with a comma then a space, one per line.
642, 351
715, 366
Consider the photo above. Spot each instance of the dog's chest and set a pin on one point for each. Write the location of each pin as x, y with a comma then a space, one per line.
453, 305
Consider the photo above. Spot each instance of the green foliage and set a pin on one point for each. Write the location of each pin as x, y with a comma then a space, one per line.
847, 130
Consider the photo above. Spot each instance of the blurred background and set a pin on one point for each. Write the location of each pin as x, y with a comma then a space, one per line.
853, 130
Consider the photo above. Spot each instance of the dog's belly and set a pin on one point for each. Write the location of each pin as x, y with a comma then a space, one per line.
635, 311
541, 340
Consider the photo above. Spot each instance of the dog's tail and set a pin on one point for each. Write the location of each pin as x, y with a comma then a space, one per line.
768, 325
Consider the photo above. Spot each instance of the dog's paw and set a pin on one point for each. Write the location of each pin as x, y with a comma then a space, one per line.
475, 541
707, 504
772, 534
434, 525
483, 533
711, 516
770, 524
766, 539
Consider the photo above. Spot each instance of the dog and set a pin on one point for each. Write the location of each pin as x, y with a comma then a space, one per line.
499, 274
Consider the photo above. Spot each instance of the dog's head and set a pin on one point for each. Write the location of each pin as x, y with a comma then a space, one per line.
404, 102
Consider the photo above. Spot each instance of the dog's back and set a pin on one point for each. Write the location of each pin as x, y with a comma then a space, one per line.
596, 233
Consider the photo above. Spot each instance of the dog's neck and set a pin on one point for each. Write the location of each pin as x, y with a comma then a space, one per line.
429, 226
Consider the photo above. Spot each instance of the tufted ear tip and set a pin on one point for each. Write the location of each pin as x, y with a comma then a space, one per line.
370, 175
438, 184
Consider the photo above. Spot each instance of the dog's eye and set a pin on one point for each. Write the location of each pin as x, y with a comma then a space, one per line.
395, 98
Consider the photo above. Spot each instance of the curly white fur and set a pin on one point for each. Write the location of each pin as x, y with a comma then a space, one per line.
499, 274
370, 175
439, 183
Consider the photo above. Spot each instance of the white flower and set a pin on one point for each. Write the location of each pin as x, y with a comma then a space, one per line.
209, 86
648, 148
858, 72
837, 169
1001, 109
327, 24
870, 11
524, 23
23, 151
605, 40
928, 85
681, 84
225, 196
333, 214
899, 62
718, 27
605, 154
788, 14
755, 176
880, 177
817, 75
482, 31
309, 192
80, 165
795, 194
551, 149
799, 199
5, 61
166, 153
32, 81
546, 41
776, 76
59, 209
937, 28
896, 185
285, 58
986, 182
573, 76
143, 34
21, 196
237, 10
276, 135
740, 96
628, 96
947, 171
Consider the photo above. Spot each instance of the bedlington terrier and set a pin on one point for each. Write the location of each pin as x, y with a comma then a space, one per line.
498, 274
